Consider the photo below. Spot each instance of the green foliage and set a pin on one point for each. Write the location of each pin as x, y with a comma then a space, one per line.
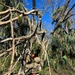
57, 13
36, 47
61, 49
20, 49
17, 67
6, 32
44, 70
7, 63
4, 63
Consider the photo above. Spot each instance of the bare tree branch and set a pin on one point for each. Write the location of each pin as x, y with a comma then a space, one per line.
10, 49
64, 18
8, 39
4, 5
18, 11
66, 5
4, 17
14, 19
69, 11
68, 17
16, 62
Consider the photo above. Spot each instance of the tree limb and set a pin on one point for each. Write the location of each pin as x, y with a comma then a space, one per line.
8, 39
13, 19
18, 11
16, 62
4, 17
68, 17
66, 6
69, 11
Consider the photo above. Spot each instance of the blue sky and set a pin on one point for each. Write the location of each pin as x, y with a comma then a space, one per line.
46, 18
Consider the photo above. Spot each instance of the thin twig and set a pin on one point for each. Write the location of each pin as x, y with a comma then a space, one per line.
4, 17
4, 5
10, 49
16, 62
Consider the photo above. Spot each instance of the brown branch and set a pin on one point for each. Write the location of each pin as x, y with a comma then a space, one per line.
16, 62
69, 11
66, 6
28, 36
55, 28
62, 20
44, 48
14, 19
22, 37
8, 39
29, 22
58, 23
4, 12
41, 32
5, 59
13, 42
4, 5
24, 13
68, 17
18, 11
4, 17
5, 52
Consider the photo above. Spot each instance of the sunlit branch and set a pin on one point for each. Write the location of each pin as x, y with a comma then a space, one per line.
10, 49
